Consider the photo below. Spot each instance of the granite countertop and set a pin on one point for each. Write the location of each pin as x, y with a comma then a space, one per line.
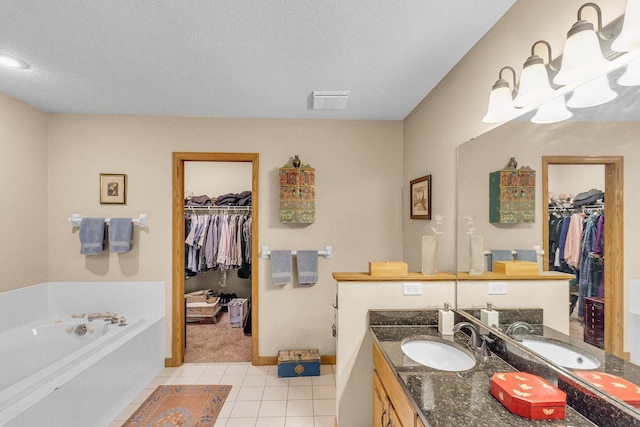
609, 363
453, 398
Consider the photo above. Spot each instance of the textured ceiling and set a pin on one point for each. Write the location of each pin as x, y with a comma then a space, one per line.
235, 58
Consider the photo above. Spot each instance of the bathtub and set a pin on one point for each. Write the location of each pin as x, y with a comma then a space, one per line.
33, 355
49, 373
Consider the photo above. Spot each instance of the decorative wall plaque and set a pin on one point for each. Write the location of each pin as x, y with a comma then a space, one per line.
512, 195
297, 192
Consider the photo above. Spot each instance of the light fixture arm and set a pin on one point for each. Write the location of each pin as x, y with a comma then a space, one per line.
514, 92
595, 7
548, 46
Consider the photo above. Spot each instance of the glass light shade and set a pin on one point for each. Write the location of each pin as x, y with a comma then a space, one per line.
629, 37
590, 94
631, 76
10, 61
500, 104
534, 84
582, 58
553, 111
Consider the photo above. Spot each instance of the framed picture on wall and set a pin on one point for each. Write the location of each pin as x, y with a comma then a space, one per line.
420, 197
113, 188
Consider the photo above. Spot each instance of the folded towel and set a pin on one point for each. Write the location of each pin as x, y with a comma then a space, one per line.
526, 255
120, 235
307, 263
280, 267
500, 255
92, 236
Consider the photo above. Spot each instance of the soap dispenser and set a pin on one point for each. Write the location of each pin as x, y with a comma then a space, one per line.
445, 320
489, 316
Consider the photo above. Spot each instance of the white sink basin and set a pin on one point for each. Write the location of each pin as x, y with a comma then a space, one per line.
438, 354
561, 354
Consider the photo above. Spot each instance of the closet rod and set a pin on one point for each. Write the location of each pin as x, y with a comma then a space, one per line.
265, 253
142, 220
218, 208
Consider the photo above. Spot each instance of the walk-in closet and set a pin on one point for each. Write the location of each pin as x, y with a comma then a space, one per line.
576, 243
217, 261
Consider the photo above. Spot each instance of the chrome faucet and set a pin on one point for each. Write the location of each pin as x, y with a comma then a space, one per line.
107, 316
477, 342
520, 324
474, 338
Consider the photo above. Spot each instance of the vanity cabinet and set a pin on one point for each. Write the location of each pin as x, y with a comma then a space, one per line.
356, 294
391, 405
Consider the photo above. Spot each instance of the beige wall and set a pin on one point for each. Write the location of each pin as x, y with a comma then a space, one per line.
358, 206
452, 113
23, 195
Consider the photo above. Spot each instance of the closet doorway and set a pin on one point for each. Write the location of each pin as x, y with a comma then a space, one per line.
613, 240
180, 161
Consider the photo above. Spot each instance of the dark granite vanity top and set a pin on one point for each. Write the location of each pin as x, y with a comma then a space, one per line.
449, 398
610, 413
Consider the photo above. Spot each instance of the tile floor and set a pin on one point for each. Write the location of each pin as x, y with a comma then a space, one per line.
258, 397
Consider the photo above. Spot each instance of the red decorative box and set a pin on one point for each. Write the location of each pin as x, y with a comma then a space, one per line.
615, 386
529, 396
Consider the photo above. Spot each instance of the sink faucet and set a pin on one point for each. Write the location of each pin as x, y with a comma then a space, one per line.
520, 324
477, 342
107, 316
474, 339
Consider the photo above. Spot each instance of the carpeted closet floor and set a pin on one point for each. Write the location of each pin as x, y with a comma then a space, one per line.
216, 342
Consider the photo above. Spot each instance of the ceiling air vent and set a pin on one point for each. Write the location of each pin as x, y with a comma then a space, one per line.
330, 99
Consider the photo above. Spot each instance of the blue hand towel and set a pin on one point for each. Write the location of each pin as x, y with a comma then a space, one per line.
92, 236
307, 263
280, 267
120, 235
500, 255
526, 255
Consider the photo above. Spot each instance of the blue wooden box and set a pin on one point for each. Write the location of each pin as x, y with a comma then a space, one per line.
298, 363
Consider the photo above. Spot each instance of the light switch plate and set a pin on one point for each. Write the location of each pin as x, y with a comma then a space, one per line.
412, 288
497, 288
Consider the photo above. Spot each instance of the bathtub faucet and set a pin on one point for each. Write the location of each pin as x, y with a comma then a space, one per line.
107, 316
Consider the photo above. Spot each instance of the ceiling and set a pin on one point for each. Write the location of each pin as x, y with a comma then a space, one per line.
236, 58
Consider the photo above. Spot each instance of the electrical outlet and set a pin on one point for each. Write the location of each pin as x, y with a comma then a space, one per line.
412, 288
497, 288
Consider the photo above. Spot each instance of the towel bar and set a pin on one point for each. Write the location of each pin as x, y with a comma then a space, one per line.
540, 252
265, 253
142, 220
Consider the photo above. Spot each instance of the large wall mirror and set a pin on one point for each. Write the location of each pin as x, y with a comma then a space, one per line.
598, 147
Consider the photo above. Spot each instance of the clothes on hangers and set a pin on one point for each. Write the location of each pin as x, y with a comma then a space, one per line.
576, 245
217, 241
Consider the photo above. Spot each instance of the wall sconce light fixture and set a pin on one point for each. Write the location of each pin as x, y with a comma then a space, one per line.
583, 70
629, 37
582, 58
501, 100
592, 93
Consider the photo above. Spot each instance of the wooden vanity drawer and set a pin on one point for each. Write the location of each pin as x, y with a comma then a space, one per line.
594, 321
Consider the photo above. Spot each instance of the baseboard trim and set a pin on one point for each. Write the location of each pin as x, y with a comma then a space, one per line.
262, 361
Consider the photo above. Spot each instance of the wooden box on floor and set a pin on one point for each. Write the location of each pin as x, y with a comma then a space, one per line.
298, 363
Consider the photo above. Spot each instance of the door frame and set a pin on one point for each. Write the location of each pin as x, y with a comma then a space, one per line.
613, 241
178, 237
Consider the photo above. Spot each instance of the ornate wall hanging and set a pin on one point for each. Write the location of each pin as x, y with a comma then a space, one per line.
512, 194
297, 192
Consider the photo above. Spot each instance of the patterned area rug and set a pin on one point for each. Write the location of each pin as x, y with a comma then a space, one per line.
181, 405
